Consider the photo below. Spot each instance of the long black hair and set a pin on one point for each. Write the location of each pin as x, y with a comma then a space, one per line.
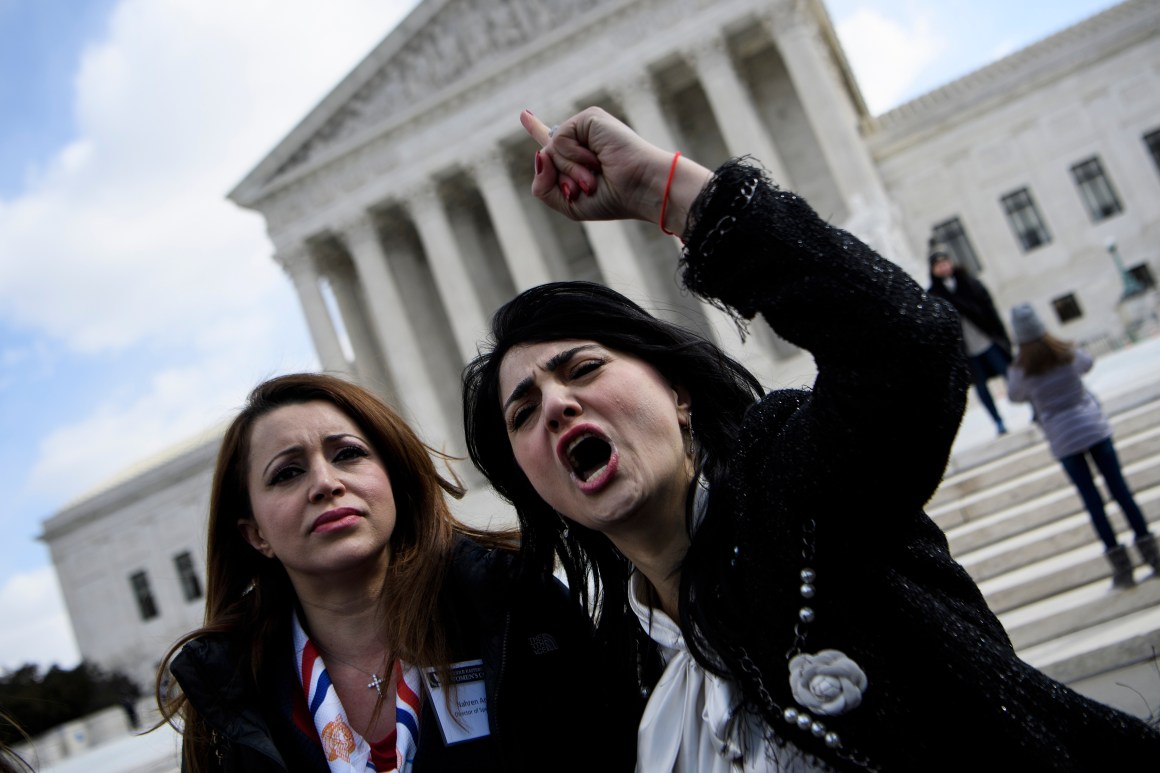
720, 390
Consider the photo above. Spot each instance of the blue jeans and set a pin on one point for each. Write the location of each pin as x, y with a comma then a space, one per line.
990, 361
1103, 454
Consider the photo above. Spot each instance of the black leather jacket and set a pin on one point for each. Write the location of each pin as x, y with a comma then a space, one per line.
539, 674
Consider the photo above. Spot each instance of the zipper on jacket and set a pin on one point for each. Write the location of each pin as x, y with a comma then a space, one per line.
503, 656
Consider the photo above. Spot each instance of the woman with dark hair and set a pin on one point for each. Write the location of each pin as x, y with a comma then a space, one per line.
1048, 373
767, 590
351, 622
985, 340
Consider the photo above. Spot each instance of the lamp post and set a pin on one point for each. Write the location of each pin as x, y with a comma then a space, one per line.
1137, 305
1132, 286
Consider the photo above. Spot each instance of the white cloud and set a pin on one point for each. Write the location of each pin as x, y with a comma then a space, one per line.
889, 56
125, 242
126, 237
36, 627
177, 404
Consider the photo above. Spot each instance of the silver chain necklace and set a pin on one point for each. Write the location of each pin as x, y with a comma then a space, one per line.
376, 683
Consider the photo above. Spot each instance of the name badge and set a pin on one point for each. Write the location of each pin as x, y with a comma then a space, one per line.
462, 705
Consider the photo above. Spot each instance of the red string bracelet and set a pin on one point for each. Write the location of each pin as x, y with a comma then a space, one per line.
668, 186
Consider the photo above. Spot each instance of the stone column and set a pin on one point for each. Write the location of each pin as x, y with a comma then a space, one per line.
733, 109
449, 269
369, 356
299, 264
393, 328
521, 250
643, 109
831, 114
827, 105
616, 255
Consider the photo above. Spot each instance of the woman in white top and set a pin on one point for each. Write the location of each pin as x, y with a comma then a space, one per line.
766, 587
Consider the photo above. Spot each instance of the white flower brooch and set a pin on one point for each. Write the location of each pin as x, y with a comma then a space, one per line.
827, 683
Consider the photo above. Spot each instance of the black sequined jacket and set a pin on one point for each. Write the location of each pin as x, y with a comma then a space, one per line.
834, 479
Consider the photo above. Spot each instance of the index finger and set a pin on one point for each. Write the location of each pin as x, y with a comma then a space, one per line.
537, 129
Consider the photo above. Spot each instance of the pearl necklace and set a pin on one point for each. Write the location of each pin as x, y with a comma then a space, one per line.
827, 683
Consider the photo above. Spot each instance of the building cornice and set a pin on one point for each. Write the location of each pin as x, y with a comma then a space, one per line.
136, 483
335, 151
403, 80
1098, 37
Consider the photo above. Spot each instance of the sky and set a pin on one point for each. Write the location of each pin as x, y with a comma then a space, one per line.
138, 306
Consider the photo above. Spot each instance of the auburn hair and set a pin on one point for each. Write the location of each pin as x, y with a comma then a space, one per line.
249, 596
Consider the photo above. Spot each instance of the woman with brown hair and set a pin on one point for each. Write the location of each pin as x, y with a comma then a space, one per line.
351, 622
1048, 373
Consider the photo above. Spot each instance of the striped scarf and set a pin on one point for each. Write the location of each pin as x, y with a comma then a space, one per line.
346, 751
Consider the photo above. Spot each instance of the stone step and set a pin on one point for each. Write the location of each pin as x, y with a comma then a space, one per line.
1053, 538
1122, 400
1055, 503
1027, 458
1059, 572
1115, 662
1044, 478
1079, 609
1017, 524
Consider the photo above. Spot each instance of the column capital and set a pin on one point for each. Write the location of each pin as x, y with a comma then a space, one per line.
708, 51
633, 86
356, 228
488, 165
299, 264
296, 259
522, 253
421, 197
787, 16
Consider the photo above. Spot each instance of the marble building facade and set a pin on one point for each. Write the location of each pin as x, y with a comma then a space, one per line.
399, 209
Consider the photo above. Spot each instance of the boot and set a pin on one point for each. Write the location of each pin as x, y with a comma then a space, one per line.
1150, 552
1121, 567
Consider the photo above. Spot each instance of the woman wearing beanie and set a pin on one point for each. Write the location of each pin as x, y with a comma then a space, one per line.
985, 340
1047, 373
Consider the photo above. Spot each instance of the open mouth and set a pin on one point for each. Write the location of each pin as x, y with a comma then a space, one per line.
588, 455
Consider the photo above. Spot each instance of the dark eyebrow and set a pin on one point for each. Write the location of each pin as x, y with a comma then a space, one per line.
555, 361
279, 455
297, 448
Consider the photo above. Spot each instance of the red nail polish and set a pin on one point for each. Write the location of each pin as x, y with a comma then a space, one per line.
584, 186
567, 191
539, 163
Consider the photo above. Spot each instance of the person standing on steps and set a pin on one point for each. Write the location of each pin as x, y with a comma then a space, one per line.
1047, 373
985, 340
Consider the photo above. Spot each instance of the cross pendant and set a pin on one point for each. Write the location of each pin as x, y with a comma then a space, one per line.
374, 683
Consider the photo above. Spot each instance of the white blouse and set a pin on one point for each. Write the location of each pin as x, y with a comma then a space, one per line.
693, 722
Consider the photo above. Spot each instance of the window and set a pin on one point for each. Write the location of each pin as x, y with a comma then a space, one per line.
952, 238
1025, 220
145, 603
1096, 190
1152, 140
1142, 273
1067, 307
190, 585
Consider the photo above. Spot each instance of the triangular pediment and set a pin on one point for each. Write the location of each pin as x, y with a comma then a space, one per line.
438, 46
